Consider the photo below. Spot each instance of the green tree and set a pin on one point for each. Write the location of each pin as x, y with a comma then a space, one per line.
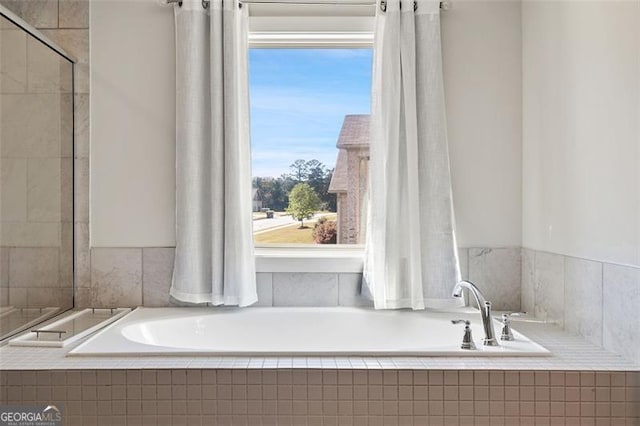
275, 190
279, 195
299, 171
316, 175
303, 202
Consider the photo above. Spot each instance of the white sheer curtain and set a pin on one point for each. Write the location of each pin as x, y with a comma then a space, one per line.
214, 260
410, 257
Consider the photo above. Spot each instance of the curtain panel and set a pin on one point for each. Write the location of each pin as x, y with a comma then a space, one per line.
410, 253
214, 260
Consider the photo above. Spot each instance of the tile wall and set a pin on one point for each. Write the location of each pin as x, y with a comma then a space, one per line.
142, 276
599, 301
331, 397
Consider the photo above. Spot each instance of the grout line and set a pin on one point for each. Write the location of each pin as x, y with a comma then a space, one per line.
564, 293
520, 308
90, 256
602, 304
535, 281
142, 276
271, 274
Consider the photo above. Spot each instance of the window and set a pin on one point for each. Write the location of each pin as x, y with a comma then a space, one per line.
310, 133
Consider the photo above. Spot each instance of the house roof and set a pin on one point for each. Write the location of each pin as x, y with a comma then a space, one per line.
355, 132
339, 178
353, 135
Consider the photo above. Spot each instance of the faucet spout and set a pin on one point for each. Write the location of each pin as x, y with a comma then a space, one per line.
483, 305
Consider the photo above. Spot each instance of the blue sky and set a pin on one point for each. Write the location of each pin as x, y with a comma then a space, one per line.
299, 98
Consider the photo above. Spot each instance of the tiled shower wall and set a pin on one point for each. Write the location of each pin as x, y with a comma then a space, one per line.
331, 397
37, 170
66, 22
597, 300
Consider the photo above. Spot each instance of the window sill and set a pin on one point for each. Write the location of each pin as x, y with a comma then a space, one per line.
309, 259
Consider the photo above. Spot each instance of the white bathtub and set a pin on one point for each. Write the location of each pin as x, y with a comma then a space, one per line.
296, 331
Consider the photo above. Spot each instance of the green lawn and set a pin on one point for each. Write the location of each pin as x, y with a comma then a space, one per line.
289, 234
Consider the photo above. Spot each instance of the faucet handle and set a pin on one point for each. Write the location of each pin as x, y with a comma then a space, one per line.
467, 339
506, 325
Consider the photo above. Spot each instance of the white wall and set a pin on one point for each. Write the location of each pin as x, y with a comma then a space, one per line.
132, 127
132, 124
483, 83
581, 130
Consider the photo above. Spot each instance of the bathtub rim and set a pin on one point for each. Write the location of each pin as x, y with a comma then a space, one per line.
164, 351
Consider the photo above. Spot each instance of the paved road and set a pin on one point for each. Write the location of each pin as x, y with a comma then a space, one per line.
278, 221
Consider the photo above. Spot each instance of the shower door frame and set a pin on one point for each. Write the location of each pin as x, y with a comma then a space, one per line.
36, 34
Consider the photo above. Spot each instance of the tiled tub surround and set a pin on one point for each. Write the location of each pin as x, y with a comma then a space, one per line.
596, 300
331, 397
568, 352
580, 384
592, 299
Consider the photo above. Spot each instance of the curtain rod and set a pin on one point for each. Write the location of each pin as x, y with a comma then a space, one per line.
444, 4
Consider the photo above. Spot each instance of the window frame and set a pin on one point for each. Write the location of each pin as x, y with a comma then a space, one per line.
286, 30
310, 40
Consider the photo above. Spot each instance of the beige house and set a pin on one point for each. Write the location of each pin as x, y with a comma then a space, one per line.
351, 178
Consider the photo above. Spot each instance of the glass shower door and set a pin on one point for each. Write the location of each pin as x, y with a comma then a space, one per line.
36, 178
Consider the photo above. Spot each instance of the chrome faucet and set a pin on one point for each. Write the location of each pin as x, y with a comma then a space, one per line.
485, 310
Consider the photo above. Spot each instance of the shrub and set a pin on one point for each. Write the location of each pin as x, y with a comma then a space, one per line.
325, 231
